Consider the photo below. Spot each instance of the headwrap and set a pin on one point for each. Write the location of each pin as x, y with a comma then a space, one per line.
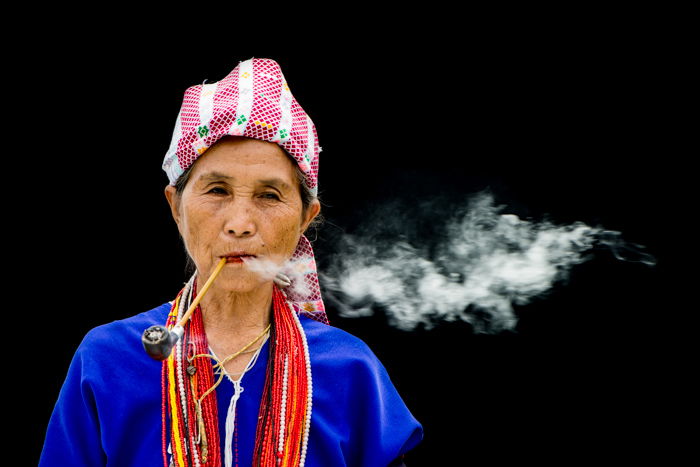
254, 100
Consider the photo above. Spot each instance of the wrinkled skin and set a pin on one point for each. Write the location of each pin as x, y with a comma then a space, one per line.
224, 207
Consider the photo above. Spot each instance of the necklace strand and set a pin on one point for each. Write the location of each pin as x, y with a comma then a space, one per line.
221, 364
285, 411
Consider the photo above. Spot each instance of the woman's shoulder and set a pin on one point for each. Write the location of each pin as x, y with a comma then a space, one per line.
125, 333
325, 334
357, 409
334, 346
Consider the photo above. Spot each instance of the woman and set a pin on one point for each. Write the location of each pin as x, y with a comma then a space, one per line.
258, 376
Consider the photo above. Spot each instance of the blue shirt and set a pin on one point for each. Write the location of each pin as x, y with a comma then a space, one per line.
109, 409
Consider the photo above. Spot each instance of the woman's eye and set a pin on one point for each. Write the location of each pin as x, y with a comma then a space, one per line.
217, 191
270, 196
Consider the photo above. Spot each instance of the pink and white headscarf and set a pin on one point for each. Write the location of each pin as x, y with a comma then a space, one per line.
254, 100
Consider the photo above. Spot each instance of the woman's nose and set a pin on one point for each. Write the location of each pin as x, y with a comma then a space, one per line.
240, 219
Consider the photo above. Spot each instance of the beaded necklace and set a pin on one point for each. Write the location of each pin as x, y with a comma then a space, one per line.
189, 399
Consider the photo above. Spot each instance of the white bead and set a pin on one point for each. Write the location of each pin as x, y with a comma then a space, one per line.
309, 404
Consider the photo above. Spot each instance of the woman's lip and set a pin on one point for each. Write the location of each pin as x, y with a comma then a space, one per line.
238, 259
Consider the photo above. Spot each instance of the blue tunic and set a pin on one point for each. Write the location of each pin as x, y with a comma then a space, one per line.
109, 409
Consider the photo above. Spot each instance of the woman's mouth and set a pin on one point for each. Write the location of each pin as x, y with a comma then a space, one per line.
238, 257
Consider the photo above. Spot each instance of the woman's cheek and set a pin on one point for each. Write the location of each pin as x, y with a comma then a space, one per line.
197, 229
277, 229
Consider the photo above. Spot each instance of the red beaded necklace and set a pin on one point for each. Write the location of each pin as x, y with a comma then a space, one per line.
285, 409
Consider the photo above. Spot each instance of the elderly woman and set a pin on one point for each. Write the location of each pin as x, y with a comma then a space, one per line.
256, 375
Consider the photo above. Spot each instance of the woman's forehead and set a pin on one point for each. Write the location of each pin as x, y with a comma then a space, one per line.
238, 161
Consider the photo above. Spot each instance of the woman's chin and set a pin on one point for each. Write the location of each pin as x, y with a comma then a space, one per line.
242, 284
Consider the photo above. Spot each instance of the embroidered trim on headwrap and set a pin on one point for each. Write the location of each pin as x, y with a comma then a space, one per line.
253, 100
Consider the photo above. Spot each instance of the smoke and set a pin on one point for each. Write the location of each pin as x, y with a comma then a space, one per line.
473, 265
294, 270
267, 269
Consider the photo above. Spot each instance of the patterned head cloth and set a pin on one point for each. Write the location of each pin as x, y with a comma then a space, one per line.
254, 100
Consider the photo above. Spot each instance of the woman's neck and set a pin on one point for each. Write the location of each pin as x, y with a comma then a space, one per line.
236, 315
234, 320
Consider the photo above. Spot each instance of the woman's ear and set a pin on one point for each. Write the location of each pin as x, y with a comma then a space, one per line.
311, 212
174, 202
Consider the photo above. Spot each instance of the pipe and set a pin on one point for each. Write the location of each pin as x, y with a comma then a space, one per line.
158, 341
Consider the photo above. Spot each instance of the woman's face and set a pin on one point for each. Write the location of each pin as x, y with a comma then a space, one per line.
242, 194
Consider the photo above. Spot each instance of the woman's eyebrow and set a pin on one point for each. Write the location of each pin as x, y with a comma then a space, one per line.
213, 176
275, 183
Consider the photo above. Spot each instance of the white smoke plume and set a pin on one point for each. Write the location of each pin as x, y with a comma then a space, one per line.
294, 270
266, 268
475, 268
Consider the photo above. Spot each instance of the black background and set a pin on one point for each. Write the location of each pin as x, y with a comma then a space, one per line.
582, 126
